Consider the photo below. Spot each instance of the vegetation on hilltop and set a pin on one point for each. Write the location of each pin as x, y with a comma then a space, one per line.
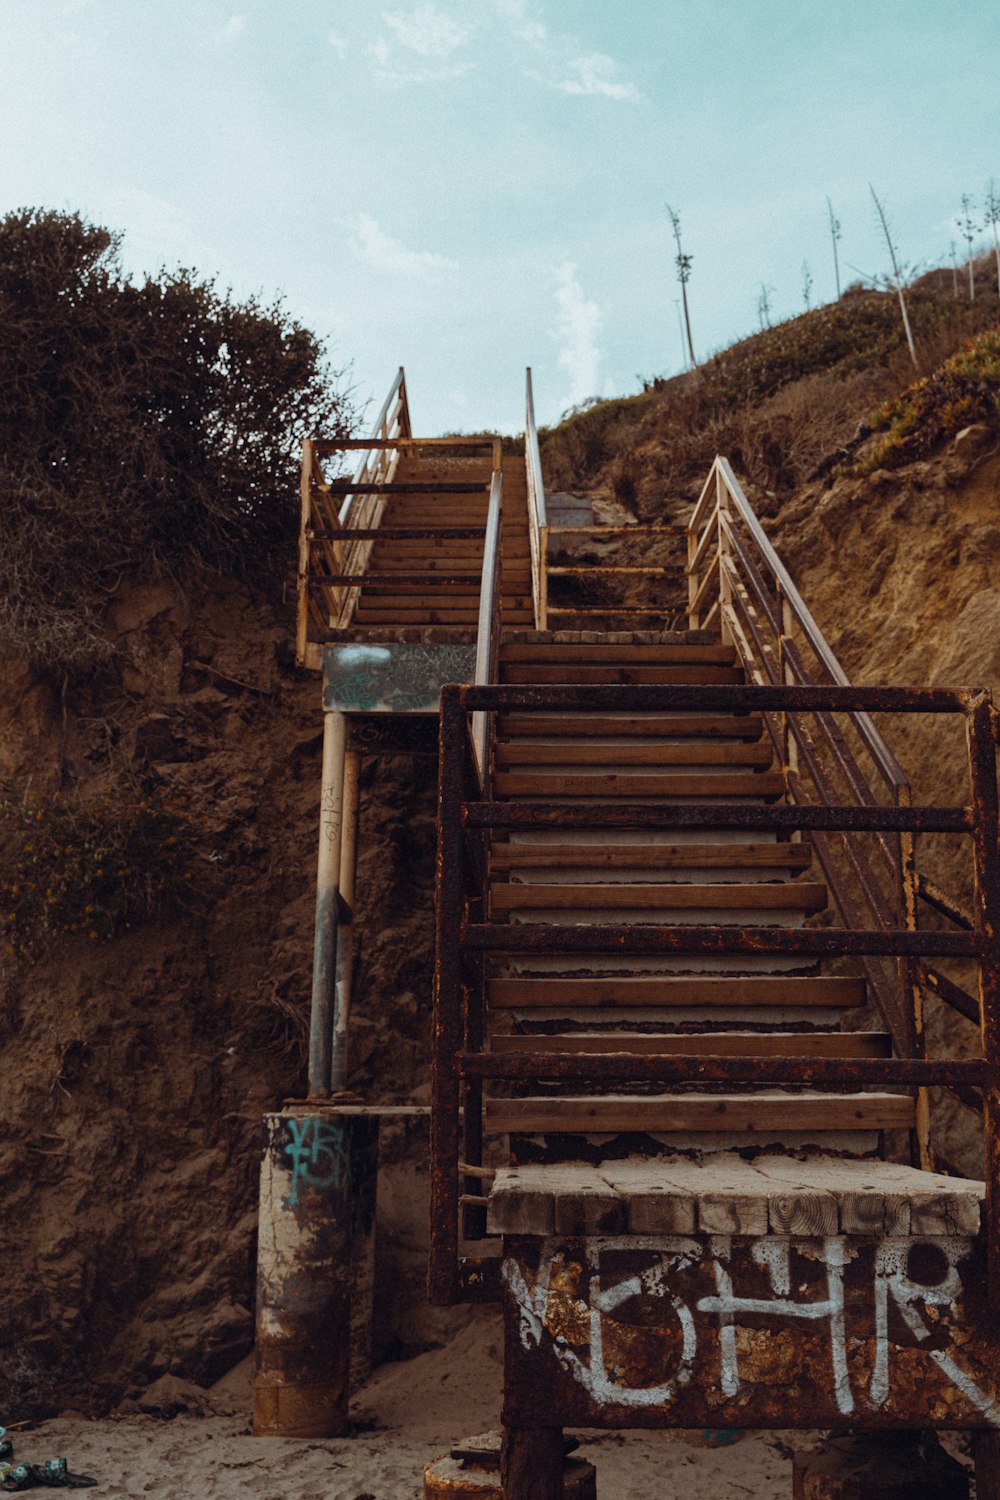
777, 403
965, 389
145, 427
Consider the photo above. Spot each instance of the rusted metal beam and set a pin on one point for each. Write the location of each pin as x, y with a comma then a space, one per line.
538, 937
734, 815
944, 903
951, 993
985, 833
716, 698
834, 1073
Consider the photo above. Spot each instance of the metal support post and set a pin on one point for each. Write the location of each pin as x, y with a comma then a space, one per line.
327, 900
345, 933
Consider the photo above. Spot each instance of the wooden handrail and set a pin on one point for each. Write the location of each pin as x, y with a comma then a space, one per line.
537, 518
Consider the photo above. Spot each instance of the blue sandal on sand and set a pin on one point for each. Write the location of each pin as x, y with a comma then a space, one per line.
53, 1474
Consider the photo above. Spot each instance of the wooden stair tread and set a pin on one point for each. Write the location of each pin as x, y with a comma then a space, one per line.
760, 1111
691, 991
724, 1194
734, 856
580, 753
798, 895
763, 784
597, 654
701, 1044
662, 726
581, 675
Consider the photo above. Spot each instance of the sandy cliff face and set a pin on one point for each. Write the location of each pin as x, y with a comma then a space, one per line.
135, 1072
902, 572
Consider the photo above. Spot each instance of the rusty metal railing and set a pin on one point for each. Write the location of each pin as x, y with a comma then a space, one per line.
466, 938
738, 584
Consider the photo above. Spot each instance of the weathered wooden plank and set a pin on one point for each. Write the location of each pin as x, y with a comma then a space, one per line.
526, 855
583, 674
642, 753
702, 1044
798, 895
617, 654
669, 726
676, 1113
688, 990
763, 784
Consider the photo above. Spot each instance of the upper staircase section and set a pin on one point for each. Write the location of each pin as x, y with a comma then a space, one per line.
403, 549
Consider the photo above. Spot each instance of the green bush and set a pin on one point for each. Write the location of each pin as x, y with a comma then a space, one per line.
94, 866
965, 389
145, 427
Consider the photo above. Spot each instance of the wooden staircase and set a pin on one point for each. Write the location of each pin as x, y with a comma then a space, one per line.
680, 1122
422, 581
646, 1007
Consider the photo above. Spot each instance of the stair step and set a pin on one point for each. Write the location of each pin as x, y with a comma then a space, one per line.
761, 784
645, 857
708, 992
535, 752
724, 1194
793, 895
703, 1044
672, 1114
615, 655
660, 726
581, 675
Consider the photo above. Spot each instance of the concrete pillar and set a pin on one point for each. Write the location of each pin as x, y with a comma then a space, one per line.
315, 1259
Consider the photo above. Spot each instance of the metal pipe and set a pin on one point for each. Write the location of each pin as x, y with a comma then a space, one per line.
327, 881
345, 935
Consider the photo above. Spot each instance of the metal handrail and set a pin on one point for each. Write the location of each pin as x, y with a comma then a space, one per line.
538, 526
488, 632
465, 935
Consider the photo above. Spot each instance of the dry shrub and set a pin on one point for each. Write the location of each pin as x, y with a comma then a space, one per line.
144, 427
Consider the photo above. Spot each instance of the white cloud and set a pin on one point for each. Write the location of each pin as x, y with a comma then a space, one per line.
233, 29
427, 30
523, 25
594, 75
337, 42
575, 334
370, 243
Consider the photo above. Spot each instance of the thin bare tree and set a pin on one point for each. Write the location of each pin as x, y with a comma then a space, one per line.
835, 237
897, 275
807, 285
954, 271
764, 305
991, 208
683, 264
968, 229
680, 327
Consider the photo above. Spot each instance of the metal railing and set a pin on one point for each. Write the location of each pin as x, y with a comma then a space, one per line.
466, 939
738, 585
845, 790
542, 532
488, 631
538, 528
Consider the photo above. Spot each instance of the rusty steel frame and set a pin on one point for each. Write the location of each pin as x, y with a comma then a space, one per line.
465, 936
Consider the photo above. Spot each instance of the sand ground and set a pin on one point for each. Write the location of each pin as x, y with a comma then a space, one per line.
406, 1415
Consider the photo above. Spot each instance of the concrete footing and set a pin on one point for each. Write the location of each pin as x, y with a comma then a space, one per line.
472, 1472
315, 1268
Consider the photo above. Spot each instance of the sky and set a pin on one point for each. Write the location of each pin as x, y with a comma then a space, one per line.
467, 187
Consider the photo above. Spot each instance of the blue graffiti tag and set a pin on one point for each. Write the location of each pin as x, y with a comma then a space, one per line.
319, 1155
